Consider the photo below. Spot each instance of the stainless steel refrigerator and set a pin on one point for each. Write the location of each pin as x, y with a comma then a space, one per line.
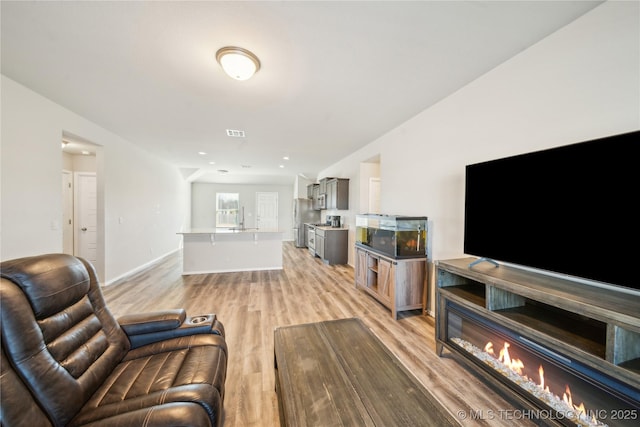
303, 213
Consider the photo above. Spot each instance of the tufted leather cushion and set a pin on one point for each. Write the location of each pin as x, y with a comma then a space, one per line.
68, 357
57, 332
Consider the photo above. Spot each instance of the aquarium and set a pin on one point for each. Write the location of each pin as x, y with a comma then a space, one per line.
392, 235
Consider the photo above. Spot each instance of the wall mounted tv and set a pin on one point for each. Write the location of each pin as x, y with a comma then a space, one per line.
571, 210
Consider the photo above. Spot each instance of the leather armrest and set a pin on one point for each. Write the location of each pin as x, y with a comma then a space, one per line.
146, 323
148, 328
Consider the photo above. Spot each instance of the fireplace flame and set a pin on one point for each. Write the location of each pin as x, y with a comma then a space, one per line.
489, 348
541, 373
517, 366
567, 397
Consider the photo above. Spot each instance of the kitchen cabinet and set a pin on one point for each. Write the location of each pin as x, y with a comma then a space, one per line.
337, 190
310, 191
316, 196
399, 284
323, 185
331, 245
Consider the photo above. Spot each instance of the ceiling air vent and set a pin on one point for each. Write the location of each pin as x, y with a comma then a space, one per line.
235, 133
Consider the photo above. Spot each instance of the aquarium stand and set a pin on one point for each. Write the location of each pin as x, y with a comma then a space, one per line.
399, 284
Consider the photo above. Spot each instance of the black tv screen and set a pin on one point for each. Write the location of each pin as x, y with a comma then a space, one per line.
571, 210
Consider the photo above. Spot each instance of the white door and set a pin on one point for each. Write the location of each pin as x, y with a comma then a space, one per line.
267, 211
86, 210
67, 212
374, 195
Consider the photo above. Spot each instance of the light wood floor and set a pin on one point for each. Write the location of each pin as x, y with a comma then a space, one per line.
252, 304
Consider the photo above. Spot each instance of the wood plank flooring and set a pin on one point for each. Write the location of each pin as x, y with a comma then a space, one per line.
252, 304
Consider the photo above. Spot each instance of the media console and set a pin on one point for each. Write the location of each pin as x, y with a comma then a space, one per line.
550, 343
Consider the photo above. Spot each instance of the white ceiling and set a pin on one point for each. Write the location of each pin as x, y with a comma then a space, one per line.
335, 75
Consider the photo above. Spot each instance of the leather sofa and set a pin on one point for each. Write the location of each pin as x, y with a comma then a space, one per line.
66, 361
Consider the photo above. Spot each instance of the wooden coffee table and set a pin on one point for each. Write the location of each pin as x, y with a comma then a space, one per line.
337, 373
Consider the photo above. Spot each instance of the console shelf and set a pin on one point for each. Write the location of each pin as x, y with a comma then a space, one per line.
595, 325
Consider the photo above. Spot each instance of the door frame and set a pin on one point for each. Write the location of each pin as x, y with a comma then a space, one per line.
68, 201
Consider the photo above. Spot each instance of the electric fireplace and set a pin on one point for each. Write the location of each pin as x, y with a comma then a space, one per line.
565, 367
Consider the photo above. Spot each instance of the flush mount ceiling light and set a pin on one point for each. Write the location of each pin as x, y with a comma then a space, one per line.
237, 62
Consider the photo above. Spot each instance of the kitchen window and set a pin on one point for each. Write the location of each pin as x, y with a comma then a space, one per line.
227, 209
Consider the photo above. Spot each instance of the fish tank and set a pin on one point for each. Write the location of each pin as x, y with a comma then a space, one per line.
392, 235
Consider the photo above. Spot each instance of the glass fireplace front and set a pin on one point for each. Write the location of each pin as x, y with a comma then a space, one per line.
570, 392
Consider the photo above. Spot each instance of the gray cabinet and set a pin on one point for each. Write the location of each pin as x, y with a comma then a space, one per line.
315, 196
323, 185
337, 194
310, 191
332, 244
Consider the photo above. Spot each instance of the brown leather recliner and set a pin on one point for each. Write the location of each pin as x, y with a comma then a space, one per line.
67, 361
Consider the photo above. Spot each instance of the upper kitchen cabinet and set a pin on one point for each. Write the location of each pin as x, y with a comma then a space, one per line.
337, 193
323, 185
310, 191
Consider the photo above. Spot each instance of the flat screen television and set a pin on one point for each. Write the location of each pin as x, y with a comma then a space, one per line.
571, 210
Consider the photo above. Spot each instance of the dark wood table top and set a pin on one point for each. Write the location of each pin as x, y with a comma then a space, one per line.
337, 373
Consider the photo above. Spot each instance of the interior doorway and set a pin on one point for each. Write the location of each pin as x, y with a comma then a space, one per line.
370, 186
267, 211
374, 195
82, 204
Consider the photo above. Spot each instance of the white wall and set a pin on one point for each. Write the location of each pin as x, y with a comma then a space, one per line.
579, 83
79, 162
203, 204
148, 194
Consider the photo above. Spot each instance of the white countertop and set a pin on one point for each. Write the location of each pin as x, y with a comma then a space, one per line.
327, 227
225, 231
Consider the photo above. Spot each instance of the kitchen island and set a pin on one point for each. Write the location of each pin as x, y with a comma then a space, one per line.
218, 250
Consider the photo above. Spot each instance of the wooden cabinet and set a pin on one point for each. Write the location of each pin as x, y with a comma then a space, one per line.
399, 284
596, 326
361, 268
332, 244
337, 190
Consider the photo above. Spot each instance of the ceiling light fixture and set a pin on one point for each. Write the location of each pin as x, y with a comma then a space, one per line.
238, 63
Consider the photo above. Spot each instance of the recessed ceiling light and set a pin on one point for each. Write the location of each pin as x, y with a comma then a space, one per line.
281, 166
85, 152
212, 163
285, 158
202, 153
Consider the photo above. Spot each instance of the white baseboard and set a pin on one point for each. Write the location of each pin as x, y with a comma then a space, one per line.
140, 268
